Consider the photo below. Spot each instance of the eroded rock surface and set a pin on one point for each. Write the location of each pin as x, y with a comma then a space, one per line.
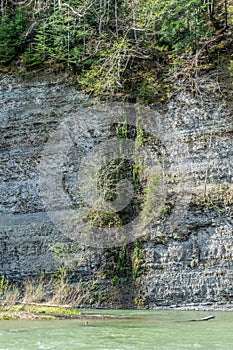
186, 245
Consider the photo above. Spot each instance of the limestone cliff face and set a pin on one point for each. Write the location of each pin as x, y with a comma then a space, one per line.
29, 112
195, 263
182, 226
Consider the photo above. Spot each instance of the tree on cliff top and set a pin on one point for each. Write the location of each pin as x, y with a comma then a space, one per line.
108, 44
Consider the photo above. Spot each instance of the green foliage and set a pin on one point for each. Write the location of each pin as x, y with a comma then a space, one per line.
50, 310
4, 285
114, 280
136, 173
122, 130
102, 219
141, 301
62, 254
152, 90
59, 39
107, 75
150, 190
183, 26
231, 68
137, 259
109, 44
230, 14
12, 39
176, 25
121, 266
9, 293
215, 198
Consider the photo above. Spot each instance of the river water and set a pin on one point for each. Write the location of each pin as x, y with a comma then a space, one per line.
133, 330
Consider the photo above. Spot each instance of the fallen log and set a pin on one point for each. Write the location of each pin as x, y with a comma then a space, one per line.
203, 319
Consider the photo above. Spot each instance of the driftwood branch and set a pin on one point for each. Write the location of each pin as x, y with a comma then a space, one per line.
203, 319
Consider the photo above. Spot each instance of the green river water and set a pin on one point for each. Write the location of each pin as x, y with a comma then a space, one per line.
133, 330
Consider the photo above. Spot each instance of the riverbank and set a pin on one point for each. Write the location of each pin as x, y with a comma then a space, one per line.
52, 312
37, 312
208, 306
